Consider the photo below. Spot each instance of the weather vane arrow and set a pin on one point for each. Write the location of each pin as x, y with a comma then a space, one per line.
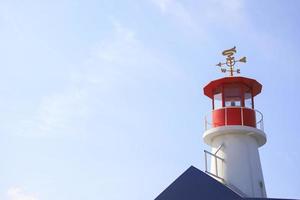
230, 61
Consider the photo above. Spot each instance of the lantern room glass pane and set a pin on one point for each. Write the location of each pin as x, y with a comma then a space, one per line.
248, 100
232, 96
218, 100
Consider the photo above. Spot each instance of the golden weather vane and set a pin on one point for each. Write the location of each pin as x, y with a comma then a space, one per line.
230, 61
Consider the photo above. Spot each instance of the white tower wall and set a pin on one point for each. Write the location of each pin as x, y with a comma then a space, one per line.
241, 169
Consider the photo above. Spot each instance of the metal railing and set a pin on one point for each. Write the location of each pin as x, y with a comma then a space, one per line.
259, 123
217, 159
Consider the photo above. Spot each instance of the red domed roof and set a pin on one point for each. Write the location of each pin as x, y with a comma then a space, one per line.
251, 83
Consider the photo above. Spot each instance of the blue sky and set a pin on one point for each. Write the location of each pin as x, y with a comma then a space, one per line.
103, 99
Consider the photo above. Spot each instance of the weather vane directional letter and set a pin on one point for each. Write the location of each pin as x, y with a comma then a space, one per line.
230, 61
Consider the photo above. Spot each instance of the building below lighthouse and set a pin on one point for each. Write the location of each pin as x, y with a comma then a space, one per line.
234, 130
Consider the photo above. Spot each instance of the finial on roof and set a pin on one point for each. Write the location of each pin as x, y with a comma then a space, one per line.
228, 66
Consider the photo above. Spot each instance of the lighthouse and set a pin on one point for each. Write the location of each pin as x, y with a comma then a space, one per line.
234, 131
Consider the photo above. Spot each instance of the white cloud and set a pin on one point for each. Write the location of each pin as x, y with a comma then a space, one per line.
8, 19
167, 6
119, 61
120, 48
18, 193
229, 13
163, 4
123, 58
205, 13
63, 112
202, 17
177, 10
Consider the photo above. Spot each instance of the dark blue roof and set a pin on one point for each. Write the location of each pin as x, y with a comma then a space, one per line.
266, 199
194, 184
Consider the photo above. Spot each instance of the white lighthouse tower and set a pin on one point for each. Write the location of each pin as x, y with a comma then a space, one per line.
234, 130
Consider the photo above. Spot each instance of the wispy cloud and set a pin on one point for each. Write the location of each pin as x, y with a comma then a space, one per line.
9, 20
205, 13
229, 13
163, 4
205, 17
62, 112
177, 10
116, 62
18, 193
123, 59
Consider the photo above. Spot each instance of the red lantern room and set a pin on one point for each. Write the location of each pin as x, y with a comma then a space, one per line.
233, 101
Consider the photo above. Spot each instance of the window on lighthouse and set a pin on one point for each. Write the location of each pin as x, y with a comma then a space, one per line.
218, 99
248, 100
232, 96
